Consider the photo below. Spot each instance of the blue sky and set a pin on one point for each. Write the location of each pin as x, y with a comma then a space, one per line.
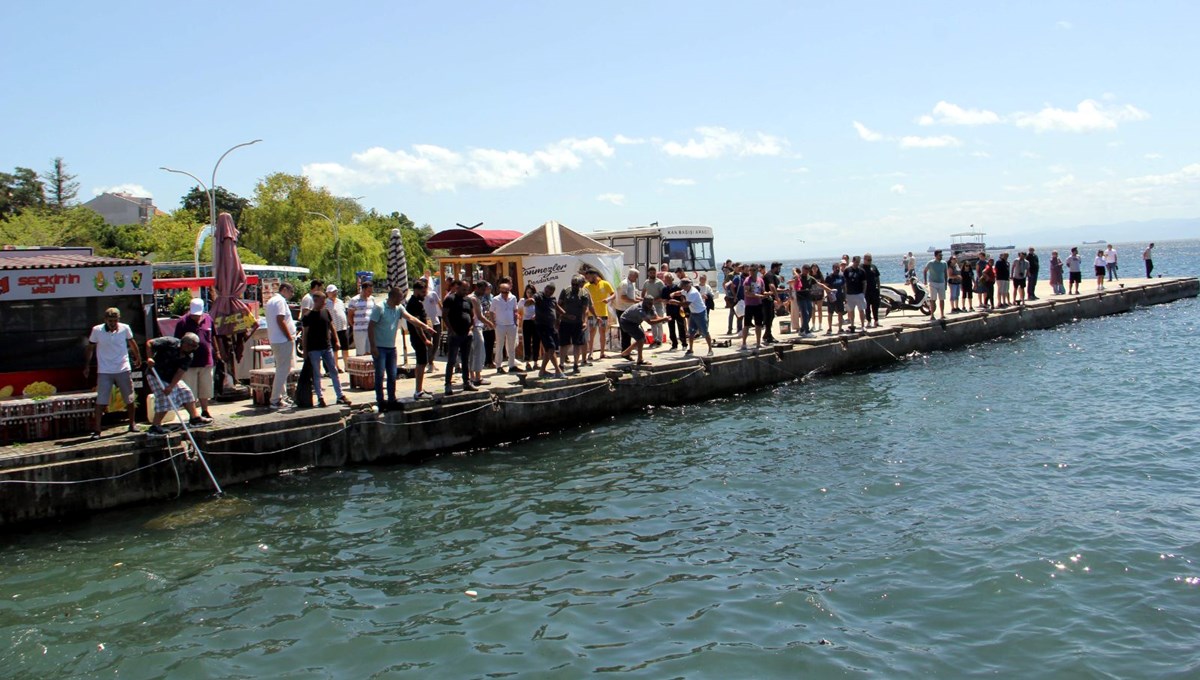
790, 127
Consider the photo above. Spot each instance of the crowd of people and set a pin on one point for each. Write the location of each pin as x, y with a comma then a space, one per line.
554, 329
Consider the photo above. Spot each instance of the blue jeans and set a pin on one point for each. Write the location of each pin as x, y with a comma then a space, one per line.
324, 356
458, 347
1112, 270
386, 359
806, 310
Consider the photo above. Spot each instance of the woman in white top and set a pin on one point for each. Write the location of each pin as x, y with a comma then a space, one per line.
1101, 268
341, 325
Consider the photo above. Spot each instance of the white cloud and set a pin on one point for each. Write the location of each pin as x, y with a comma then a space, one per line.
679, 181
945, 113
615, 199
867, 134
716, 142
1063, 25
127, 188
1058, 169
981, 154
941, 141
1030, 154
1064, 181
800, 170
434, 168
622, 139
898, 189
1152, 156
1189, 173
1088, 116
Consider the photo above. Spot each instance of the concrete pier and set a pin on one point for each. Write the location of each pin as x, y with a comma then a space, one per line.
50, 480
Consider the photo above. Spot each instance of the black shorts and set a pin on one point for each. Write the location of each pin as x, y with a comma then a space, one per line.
571, 333
1101, 271
344, 340
1075, 277
548, 336
634, 331
754, 316
419, 348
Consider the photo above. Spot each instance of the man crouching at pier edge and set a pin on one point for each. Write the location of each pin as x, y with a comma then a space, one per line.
171, 357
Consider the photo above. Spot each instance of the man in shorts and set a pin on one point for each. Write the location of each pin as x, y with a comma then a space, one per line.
112, 344
652, 290
199, 376
577, 306
698, 316
1074, 271
602, 293
168, 362
855, 278
547, 313
419, 335
753, 290
935, 278
631, 325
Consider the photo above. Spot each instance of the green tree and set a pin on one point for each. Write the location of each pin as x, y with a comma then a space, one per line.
195, 201
77, 226
276, 219
418, 256
172, 237
60, 185
19, 191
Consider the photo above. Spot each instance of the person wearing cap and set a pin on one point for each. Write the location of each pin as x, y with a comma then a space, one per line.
199, 376
168, 358
281, 333
113, 346
359, 310
341, 324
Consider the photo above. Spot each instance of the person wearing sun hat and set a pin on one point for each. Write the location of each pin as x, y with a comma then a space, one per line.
199, 376
341, 324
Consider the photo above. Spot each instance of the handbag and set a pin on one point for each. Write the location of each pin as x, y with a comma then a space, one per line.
740, 308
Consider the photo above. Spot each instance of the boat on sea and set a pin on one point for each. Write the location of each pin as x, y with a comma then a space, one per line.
967, 245
1095, 243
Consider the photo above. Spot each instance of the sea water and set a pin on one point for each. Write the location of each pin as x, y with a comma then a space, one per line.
1025, 507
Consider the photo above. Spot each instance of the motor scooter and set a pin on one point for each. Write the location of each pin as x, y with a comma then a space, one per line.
893, 298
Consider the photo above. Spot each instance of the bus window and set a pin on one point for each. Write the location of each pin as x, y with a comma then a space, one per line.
690, 254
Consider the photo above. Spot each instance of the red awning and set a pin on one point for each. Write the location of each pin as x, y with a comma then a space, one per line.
471, 241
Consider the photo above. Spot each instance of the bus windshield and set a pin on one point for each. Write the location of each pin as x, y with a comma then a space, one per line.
695, 255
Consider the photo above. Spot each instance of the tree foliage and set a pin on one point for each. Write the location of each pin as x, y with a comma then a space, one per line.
41, 226
20, 191
195, 201
60, 185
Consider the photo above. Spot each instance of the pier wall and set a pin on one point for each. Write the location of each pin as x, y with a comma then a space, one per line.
69, 480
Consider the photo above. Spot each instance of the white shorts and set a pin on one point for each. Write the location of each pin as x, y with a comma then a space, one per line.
200, 380
938, 290
857, 301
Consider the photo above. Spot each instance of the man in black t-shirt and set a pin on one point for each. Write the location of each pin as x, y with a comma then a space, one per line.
320, 343
856, 292
771, 286
546, 314
576, 304
676, 324
459, 316
421, 341
871, 290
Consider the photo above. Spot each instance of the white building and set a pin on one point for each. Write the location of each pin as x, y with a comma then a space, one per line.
117, 209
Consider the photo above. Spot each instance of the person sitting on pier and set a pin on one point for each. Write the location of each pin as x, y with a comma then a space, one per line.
631, 324
169, 359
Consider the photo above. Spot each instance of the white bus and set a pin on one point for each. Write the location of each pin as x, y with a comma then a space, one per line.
649, 247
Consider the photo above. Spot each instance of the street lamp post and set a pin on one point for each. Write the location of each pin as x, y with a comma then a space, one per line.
210, 193
337, 239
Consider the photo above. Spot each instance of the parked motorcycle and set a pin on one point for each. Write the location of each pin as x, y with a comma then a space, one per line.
893, 298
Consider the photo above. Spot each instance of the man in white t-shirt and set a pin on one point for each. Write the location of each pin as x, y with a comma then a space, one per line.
504, 314
112, 344
1110, 262
281, 333
306, 302
359, 308
627, 296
